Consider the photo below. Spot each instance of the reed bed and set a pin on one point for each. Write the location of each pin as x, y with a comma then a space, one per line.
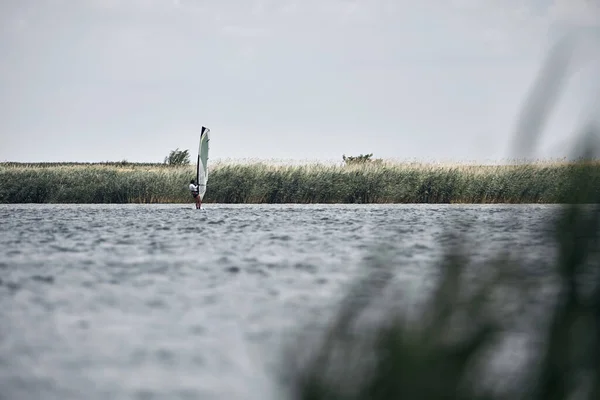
263, 182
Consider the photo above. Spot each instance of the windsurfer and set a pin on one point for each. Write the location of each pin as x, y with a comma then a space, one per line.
195, 194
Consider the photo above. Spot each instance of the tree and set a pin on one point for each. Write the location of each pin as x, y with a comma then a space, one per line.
178, 157
361, 159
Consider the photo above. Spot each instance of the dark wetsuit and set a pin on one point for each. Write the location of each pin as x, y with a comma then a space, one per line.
194, 190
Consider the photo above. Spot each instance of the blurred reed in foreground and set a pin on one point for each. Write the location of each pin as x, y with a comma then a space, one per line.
313, 183
449, 347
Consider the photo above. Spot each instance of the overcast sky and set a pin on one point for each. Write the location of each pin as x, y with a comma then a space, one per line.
97, 80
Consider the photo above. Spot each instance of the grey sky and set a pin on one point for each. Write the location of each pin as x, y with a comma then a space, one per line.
96, 80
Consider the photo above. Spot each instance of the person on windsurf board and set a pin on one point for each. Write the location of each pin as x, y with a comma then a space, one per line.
195, 193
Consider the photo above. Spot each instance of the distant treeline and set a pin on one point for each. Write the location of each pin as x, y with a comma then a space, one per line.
124, 182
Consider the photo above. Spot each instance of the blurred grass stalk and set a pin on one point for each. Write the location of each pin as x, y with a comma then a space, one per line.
449, 345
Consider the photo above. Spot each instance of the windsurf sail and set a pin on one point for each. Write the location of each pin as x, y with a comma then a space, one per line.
202, 164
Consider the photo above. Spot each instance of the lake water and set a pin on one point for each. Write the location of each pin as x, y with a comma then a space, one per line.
165, 301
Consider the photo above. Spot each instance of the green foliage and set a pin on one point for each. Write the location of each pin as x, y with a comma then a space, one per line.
361, 159
100, 183
264, 183
178, 157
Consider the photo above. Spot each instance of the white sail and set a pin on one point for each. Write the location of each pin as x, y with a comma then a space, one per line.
202, 163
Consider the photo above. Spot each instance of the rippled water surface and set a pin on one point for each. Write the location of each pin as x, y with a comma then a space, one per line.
165, 301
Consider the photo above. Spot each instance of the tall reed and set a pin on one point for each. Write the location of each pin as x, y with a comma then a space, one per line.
261, 182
